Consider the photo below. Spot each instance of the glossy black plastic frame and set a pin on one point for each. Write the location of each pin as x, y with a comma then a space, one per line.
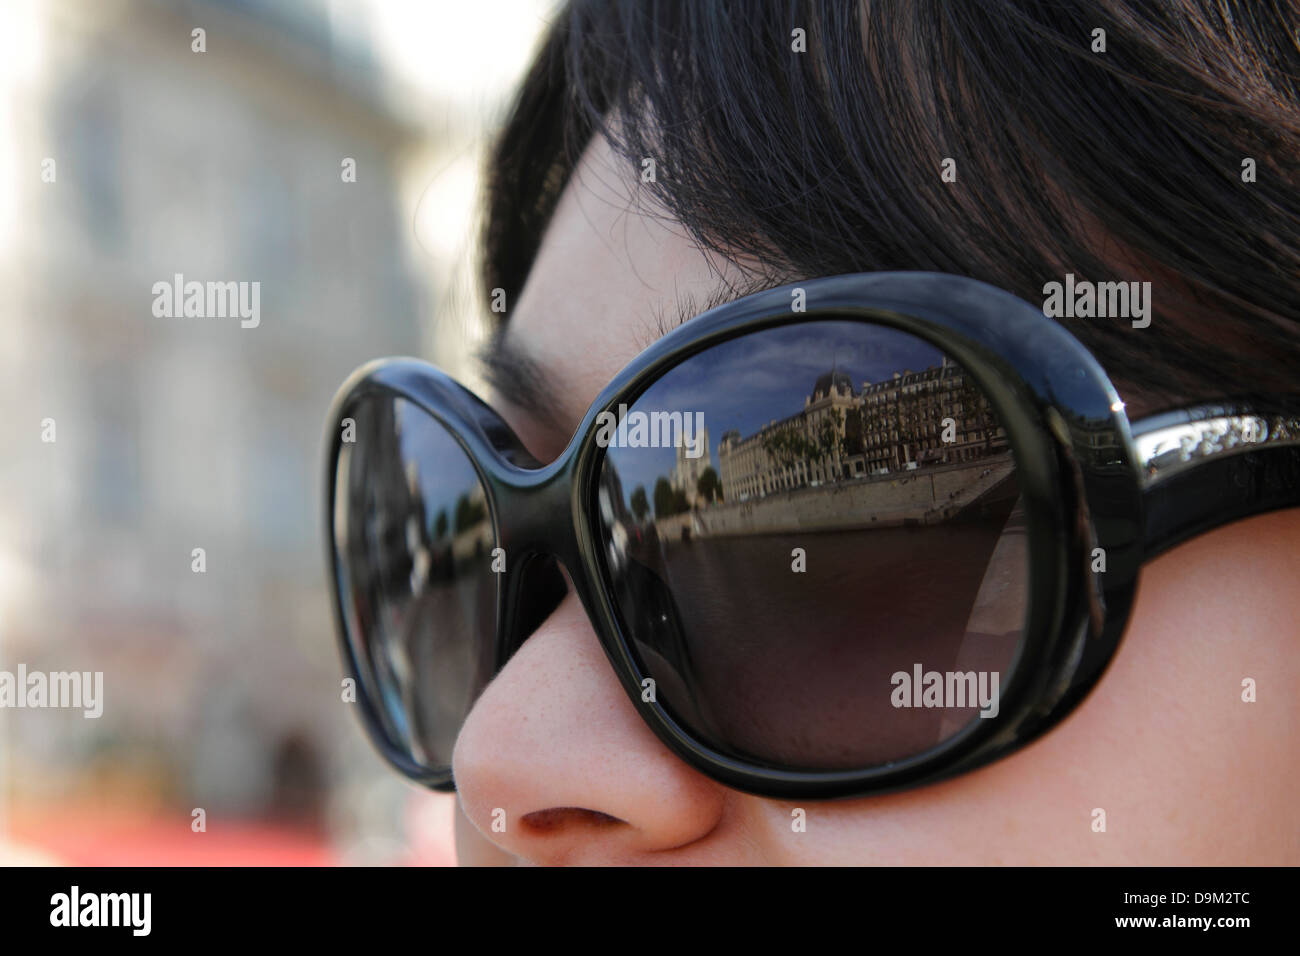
1088, 479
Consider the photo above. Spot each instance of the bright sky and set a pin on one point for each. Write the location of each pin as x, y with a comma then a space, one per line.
470, 52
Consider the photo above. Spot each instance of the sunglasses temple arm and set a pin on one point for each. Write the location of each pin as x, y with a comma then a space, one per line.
1207, 466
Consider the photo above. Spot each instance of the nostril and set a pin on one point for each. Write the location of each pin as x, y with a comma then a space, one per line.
559, 818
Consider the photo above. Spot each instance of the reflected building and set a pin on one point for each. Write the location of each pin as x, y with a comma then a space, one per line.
807, 448
910, 420
903, 420
686, 473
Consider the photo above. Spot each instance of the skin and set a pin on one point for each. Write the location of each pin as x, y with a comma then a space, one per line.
1186, 772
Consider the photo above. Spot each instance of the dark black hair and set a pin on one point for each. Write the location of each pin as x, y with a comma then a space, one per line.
1124, 164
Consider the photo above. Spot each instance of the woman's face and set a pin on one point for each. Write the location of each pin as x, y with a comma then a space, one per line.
1185, 770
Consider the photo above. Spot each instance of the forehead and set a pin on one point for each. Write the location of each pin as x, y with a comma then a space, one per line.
610, 267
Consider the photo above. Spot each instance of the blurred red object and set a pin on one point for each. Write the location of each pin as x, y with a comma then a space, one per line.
76, 836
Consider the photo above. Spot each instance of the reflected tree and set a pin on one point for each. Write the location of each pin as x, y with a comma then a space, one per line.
709, 486
639, 503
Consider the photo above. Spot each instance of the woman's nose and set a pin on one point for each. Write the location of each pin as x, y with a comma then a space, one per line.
554, 765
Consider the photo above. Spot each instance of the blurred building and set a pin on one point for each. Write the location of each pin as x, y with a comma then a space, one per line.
222, 686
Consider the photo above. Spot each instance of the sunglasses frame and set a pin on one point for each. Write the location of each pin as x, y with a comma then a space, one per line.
1084, 482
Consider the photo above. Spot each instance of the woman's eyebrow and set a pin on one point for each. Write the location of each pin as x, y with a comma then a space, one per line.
516, 375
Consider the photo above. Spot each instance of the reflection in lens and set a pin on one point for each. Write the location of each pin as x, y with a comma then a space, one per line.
415, 538
840, 580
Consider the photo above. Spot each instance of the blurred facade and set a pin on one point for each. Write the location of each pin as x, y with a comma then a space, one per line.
222, 686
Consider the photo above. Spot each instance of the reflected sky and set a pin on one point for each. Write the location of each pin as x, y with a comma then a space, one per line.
445, 470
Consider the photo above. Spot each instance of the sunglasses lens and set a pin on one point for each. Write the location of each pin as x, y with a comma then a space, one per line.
413, 537
813, 541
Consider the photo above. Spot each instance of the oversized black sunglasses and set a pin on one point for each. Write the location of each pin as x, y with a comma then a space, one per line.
904, 568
